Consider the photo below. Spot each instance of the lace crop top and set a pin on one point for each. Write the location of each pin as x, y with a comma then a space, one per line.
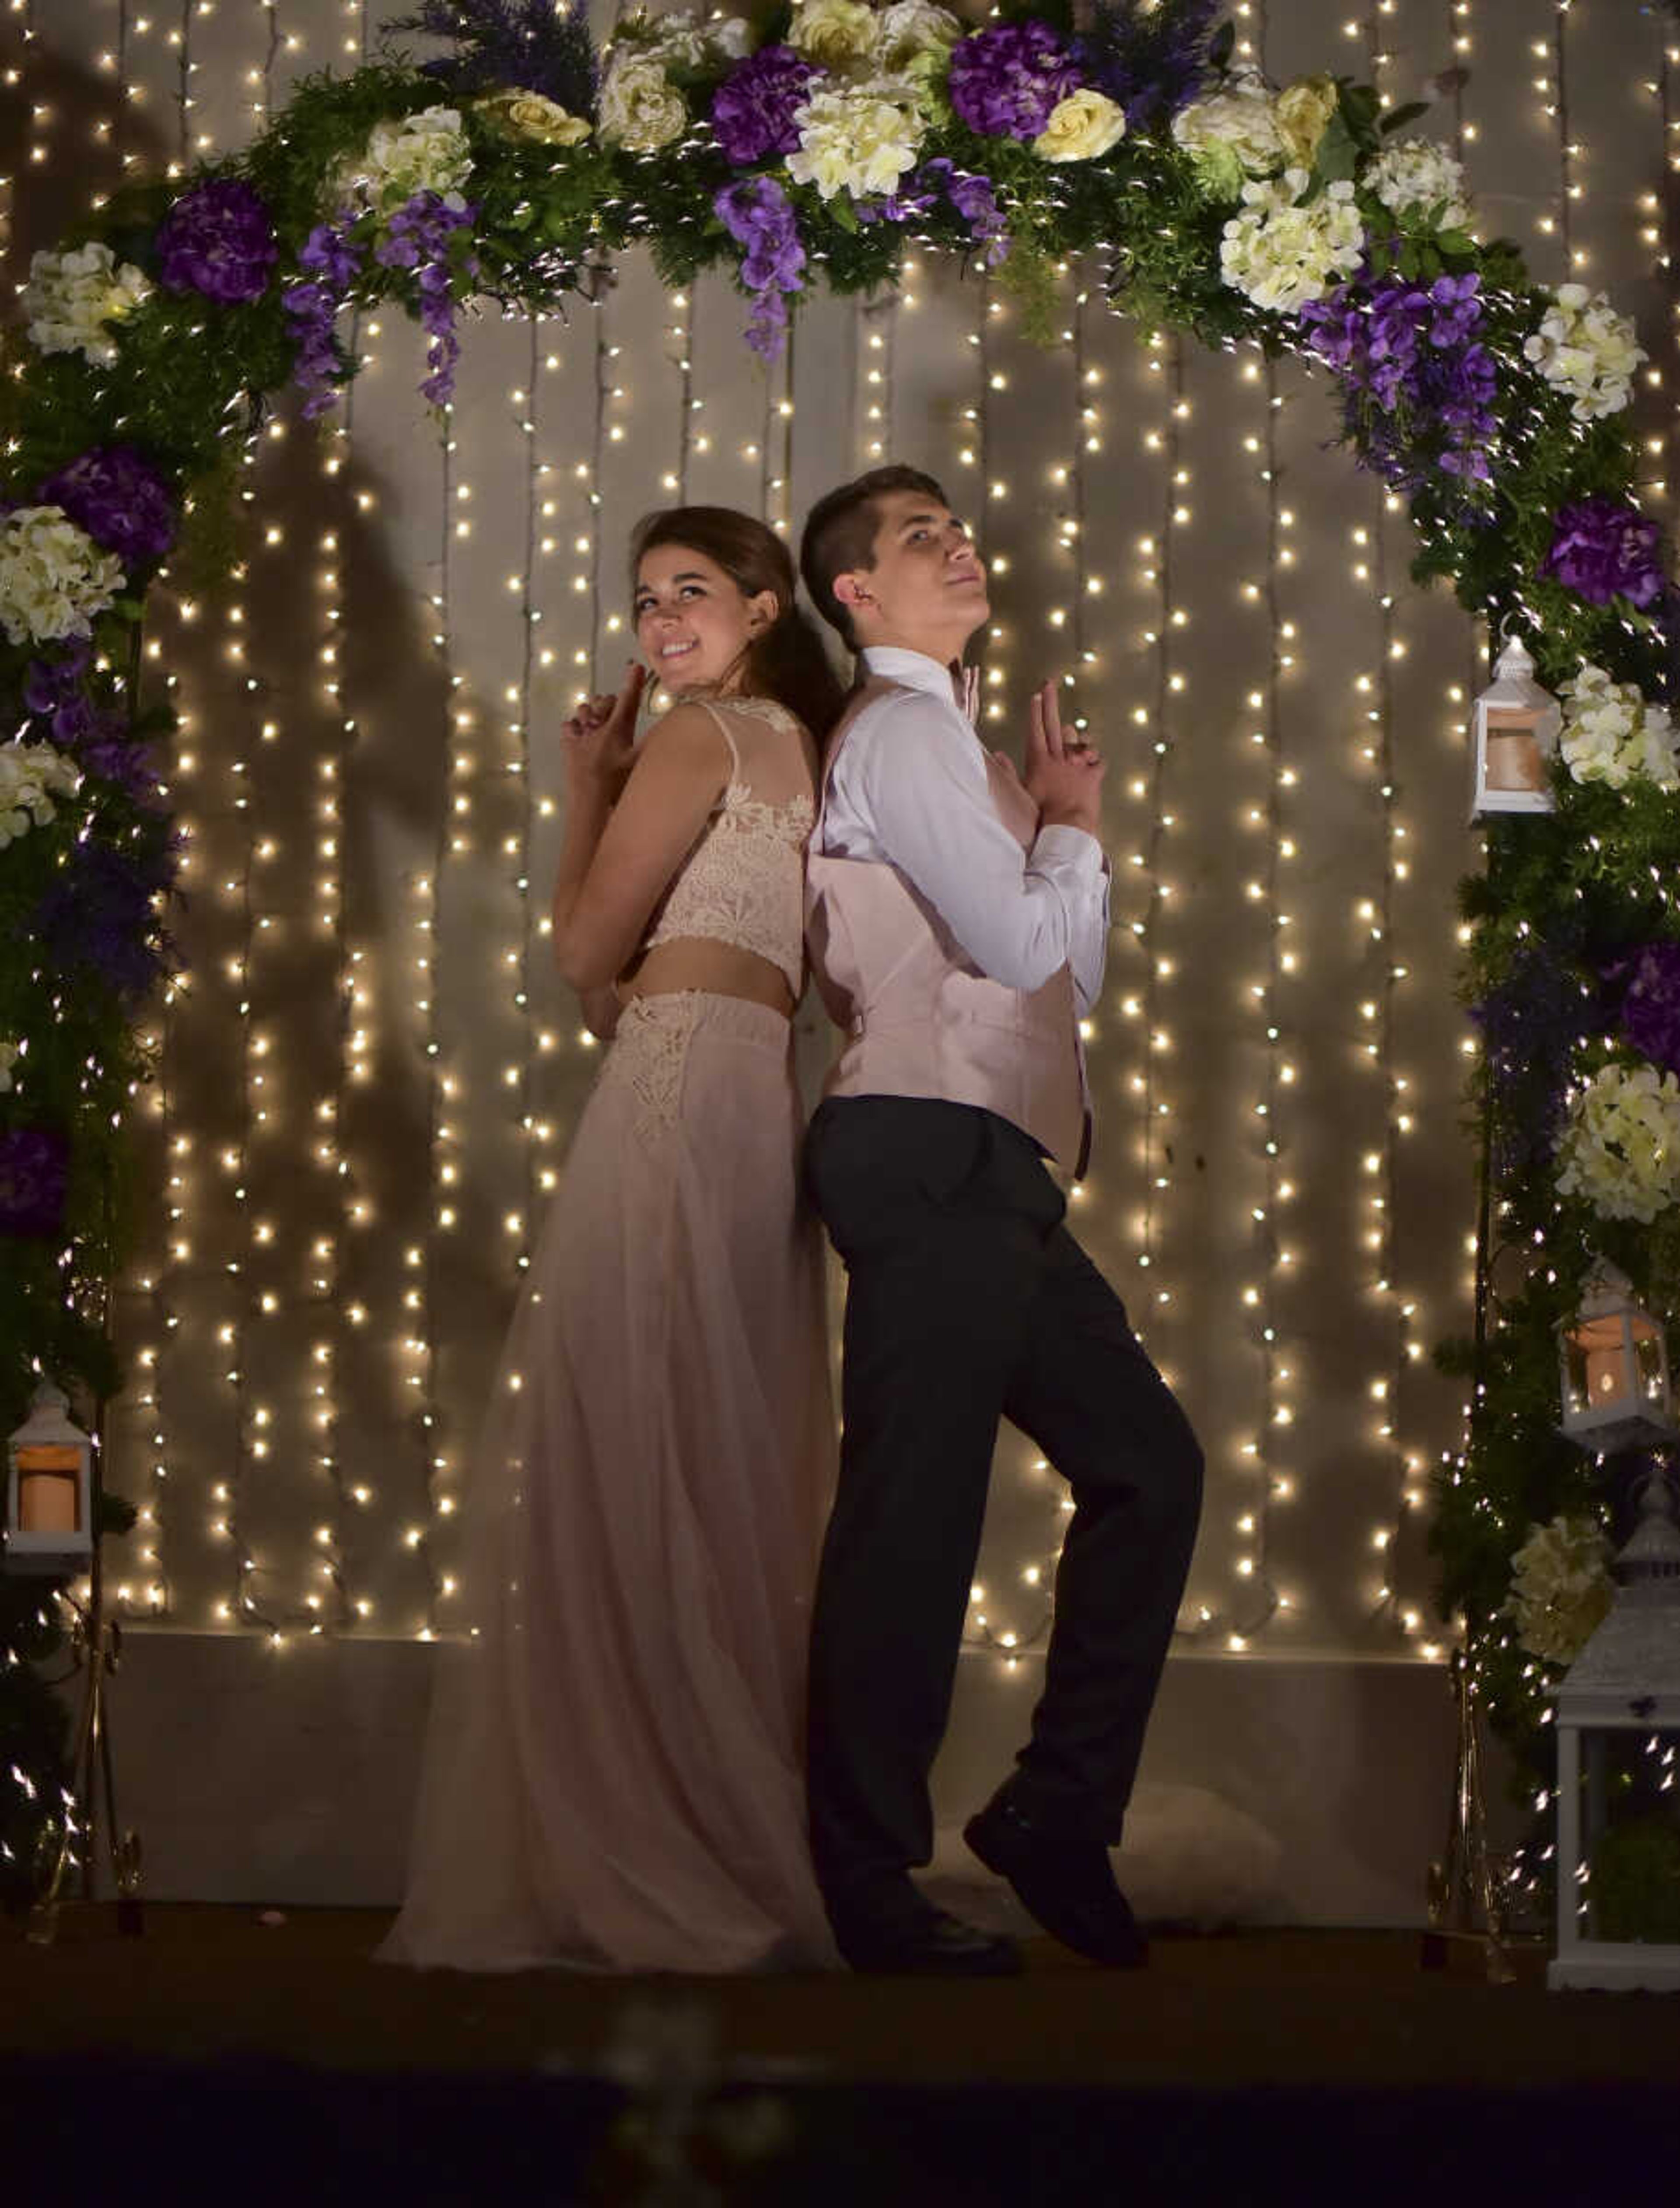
743, 883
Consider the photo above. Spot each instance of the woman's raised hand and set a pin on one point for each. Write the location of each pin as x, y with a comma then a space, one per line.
599, 738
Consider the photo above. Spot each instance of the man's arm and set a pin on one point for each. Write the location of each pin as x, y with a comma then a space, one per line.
917, 776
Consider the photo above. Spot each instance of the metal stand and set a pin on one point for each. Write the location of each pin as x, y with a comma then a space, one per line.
1462, 1903
97, 1642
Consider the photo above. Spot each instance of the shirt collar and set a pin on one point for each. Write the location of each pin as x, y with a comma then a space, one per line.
915, 669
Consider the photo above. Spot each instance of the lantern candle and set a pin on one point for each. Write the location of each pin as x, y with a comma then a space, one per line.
49, 1482
1514, 737
1514, 761
1615, 1371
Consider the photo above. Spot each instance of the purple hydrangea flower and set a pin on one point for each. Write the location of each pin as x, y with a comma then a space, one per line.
752, 109
99, 914
124, 504
1651, 1003
1007, 81
757, 214
55, 689
218, 239
34, 1180
97, 736
417, 237
1603, 548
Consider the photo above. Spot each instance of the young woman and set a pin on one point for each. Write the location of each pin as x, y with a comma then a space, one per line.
614, 1774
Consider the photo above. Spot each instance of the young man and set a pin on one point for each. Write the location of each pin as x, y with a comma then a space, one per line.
956, 916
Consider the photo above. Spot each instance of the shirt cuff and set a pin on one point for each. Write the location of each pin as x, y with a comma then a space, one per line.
1075, 849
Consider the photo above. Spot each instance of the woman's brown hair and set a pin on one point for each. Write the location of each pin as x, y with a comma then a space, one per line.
787, 662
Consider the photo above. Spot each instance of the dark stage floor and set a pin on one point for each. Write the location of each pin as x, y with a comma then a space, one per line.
281, 2061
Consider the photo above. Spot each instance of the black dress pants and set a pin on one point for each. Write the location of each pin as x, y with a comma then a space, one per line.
968, 1300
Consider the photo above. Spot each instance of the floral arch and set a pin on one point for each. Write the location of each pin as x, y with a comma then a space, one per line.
800, 152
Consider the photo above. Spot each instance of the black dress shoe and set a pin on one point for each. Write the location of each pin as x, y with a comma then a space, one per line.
929, 1943
1063, 1878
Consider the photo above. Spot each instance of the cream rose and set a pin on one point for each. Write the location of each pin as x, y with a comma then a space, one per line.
1081, 126
529, 115
1302, 111
640, 109
838, 34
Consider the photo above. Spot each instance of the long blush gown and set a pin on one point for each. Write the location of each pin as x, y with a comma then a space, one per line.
613, 1776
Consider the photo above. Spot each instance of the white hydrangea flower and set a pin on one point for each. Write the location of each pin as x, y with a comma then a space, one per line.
1417, 174
1621, 1149
71, 298
1231, 136
31, 776
1560, 1587
423, 153
10, 1054
1613, 734
1279, 254
641, 108
53, 577
858, 138
1587, 349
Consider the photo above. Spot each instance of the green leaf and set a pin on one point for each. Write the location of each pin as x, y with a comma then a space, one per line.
1398, 118
1219, 46
1338, 157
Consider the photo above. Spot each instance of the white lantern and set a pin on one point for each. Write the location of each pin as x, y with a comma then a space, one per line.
1615, 1370
1514, 731
49, 1490
1626, 1680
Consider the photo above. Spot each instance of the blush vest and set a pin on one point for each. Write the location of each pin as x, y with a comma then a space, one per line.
919, 1017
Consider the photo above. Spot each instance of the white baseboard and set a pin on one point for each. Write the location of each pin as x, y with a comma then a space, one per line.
255, 1775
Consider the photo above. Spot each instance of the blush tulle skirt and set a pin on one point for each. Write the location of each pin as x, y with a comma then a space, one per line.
613, 1776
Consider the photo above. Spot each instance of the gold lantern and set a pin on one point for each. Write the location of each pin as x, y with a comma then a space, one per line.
1615, 1370
1514, 731
49, 1490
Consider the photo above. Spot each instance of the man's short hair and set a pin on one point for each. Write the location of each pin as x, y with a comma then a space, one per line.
840, 536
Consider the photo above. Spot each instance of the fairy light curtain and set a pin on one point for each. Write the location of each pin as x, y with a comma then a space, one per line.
370, 1073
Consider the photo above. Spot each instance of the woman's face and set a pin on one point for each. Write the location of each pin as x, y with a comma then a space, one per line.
693, 622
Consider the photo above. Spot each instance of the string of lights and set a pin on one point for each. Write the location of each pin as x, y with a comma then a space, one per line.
168, 64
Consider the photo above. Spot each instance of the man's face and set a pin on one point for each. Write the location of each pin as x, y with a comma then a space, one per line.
927, 580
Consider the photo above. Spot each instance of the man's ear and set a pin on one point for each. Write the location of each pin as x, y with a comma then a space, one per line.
851, 590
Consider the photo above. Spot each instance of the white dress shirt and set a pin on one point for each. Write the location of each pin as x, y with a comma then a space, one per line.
909, 788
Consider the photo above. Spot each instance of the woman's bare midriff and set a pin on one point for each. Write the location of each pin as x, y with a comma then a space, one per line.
723, 969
